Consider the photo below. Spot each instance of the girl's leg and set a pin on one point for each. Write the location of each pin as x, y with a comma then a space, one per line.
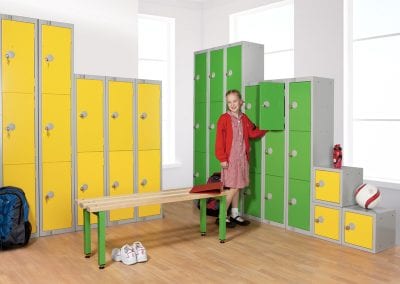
235, 211
230, 197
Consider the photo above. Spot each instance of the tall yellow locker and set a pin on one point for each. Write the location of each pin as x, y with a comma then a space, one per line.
89, 118
18, 104
149, 142
55, 73
120, 167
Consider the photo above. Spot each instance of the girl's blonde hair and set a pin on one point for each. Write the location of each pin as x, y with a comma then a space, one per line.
234, 92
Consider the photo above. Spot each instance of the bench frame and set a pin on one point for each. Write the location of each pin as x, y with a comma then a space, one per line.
99, 207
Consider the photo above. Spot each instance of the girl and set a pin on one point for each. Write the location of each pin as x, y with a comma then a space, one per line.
232, 149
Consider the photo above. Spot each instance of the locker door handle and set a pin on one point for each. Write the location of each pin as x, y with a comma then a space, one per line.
115, 114
212, 75
9, 54
266, 104
269, 196
49, 58
229, 73
10, 127
83, 114
293, 201
212, 126
350, 227
115, 184
294, 105
197, 77
49, 195
143, 115
320, 219
248, 106
84, 187
293, 154
196, 126
321, 183
247, 192
143, 182
268, 151
49, 126
195, 175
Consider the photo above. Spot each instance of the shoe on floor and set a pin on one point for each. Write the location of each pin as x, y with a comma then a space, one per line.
229, 224
141, 255
128, 255
116, 254
240, 221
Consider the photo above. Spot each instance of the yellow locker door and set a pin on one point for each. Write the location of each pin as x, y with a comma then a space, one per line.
149, 178
149, 125
18, 128
120, 117
12, 176
55, 59
121, 181
56, 196
89, 95
90, 167
327, 186
18, 57
56, 128
358, 229
327, 222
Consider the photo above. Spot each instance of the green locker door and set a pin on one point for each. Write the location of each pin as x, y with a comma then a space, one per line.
252, 196
274, 199
200, 127
299, 155
300, 106
200, 77
275, 153
272, 106
216, 109
251, 103
299, 204
234, 68
199, 171
255, 155
216, 75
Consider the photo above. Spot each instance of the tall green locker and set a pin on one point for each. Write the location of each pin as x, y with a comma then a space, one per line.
217, 70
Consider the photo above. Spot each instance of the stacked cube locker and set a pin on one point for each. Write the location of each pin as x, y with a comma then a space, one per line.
19, 109
55, 116
90, 126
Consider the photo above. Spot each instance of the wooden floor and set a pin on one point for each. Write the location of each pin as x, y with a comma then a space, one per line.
177, 253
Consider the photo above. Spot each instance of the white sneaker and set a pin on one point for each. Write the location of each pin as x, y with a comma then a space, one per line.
141, 255
116, 254
128, 255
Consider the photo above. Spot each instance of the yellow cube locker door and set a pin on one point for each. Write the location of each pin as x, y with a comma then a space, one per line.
120, 112
56, 196
327, 222
12, 176
18, 56
56, 51
149, 125
327, 186
90, 181
89, 96
149, 179
358, 229
121, 181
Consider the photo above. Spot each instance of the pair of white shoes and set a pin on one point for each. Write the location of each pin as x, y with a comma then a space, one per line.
130, 254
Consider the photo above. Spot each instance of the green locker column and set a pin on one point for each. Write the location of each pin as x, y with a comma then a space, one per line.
252, 200
272, 106
234, 68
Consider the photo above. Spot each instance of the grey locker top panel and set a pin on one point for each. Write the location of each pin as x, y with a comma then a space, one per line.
244, 43
89, 77
372, 212
58, 24
18, 18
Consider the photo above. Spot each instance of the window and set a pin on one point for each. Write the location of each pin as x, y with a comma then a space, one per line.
156, 45
372, 132
271, 25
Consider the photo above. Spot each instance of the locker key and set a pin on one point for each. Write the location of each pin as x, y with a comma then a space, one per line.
10, 54
49, 127
266, 104
143, 182
269, 196
321, 183
10, 127
293, 153
229, 73
247, 192
115, 184
212, 126
143, 115
83, 114
49, 58
114, 115
320, 219
248, 106
350, 227
84, 187
212, 75
294, 105
293, 201
196, 126
268, 151
197, 77
196, 175
49, 195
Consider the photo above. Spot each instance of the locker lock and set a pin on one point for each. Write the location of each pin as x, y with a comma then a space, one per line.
143, 182
247, 192
197, 77
196, 175
212, 126
49, 126
268, 151
248, 106
83, 114
114, 115
269, 196
143, 115
293, 201
84, 187
10, 127
294, 105
196, 126
49, 195
49, 58
115, 184
320, 219
293, 153
10, 54
321, 183
350, 227
229, 73
266, 104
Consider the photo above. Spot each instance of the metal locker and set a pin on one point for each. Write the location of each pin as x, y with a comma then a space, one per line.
272, 106
234, 68
274, 199
216, 75
275, 153
200, 77
252, 196
300, 106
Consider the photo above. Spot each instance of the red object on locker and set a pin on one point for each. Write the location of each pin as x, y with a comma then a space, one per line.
337, 156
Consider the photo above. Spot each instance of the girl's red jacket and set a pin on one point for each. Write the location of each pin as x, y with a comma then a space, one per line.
223, 143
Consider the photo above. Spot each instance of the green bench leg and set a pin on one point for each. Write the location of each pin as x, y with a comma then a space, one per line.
203, 216
101, 233
87, 250
222, 217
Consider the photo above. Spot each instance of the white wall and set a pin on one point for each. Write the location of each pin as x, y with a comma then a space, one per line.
188, 34
105, 34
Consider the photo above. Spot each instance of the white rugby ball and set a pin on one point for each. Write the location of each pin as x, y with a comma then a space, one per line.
367, 195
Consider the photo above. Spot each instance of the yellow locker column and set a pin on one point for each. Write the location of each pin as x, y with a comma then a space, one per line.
18, 104
55, 57
120, 143
89, 92
149, 142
